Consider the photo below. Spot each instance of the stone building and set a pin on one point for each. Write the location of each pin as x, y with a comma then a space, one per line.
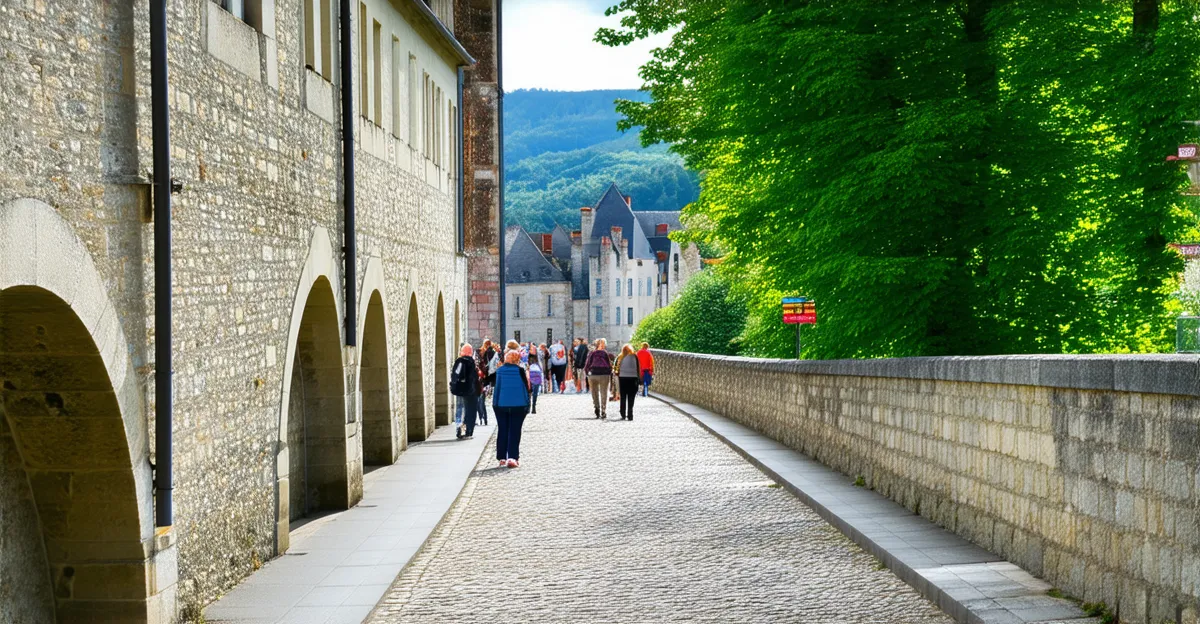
280, 396
620, 267
539, 292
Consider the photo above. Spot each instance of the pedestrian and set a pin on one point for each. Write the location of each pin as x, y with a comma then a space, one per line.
510, 401
599, 370
543, 359
535, 384
558, 367
487, 364
579, 361
627, 378
464, 385
646, 364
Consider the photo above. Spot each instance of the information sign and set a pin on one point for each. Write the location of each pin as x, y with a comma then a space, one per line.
799, 311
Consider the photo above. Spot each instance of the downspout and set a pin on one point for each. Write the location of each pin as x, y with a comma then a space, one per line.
350, 248
161, 137
500, 123
462, 235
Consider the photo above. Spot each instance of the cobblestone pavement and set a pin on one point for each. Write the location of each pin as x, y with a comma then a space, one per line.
645, 521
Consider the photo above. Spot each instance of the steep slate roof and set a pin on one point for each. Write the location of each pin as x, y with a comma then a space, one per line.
612, 211
649, 219
524, 262
561, 244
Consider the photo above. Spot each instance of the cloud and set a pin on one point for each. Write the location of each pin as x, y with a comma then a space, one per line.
548, 45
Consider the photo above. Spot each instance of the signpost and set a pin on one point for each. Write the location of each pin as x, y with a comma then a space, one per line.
799, 311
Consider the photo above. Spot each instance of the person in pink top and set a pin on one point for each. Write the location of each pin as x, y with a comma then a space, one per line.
646, 365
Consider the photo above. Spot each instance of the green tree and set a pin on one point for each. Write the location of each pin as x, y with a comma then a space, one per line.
708, 315
657, 329
955, 177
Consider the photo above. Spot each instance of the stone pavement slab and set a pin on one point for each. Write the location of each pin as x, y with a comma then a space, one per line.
653, 520
340, 565
966, 581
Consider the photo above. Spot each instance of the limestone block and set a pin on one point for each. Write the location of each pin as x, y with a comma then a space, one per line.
232, 41
18, 243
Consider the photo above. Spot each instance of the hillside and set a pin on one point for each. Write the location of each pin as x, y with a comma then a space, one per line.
563, 148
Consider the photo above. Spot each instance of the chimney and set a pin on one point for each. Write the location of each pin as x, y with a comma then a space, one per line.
662, 256
660, 229
605, 242
586, 218
547, 243
576, 236
628, 201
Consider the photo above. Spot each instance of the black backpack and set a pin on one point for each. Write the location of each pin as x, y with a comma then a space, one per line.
463, 377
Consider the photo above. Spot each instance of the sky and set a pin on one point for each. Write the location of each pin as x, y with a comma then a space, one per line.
548, 45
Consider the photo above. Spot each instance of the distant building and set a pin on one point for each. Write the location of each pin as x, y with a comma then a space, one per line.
599, 282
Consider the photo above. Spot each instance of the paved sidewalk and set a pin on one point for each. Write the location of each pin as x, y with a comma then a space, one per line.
968, 582
653, 520
339, 565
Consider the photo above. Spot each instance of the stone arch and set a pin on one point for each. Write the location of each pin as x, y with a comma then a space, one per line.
76, 500
414, 379
312, 465
441, 372
375, 386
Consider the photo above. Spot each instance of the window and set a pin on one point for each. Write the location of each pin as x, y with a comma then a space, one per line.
639, 288
397, 120
599, 315
412, 102
649, 286
377, 73
517, 306
549, 336
318, 37
617, 316
363, 87
425, 115
517, 336
598, 289
549, 305
618, 291
629, 288
630, 312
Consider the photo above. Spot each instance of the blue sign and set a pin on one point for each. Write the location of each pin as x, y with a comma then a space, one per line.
795, 300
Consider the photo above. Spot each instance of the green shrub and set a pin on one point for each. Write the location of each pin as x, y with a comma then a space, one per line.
658, 329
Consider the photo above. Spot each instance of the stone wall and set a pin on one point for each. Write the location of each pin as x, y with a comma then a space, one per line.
1082, 469
258, 227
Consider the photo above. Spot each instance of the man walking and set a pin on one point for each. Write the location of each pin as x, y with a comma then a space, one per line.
558, 367
464, 385
646, 367
578, 361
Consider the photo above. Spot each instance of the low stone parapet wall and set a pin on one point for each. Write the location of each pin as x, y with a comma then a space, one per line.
1081, 469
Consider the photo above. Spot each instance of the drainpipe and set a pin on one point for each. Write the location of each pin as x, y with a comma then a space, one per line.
500, 123
350, 248
462, 235
162, 185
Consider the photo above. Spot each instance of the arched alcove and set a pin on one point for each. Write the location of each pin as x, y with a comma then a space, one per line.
377, 438
316, 423
414, 384
441, 381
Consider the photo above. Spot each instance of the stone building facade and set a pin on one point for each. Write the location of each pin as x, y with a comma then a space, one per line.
275, 415
617, 269
478, 27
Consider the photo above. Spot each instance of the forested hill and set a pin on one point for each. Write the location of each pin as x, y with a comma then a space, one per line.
562, 148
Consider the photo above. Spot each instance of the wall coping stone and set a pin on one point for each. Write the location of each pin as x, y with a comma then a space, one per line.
1141, 373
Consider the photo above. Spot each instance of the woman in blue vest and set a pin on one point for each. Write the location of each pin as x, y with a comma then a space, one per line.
510, 402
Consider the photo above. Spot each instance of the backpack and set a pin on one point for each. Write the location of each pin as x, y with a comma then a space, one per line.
599, 363
535, 374
463, 377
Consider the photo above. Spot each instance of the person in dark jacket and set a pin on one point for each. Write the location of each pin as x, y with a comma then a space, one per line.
487, 351
510, 402
464, 385
627, 379
579, 354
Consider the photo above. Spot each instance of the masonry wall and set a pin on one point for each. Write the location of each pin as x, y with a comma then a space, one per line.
1081, 469
256, 144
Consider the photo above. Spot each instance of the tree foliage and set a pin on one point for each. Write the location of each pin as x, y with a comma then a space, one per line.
657, 329
707, 317
949, 177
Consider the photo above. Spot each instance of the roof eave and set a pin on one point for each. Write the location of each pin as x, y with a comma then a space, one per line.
434, 23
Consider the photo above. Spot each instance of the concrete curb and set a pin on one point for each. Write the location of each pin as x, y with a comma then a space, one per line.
970, 584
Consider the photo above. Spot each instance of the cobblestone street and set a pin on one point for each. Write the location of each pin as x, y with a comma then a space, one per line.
644, 521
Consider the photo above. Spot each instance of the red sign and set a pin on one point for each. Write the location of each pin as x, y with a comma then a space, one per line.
799, 312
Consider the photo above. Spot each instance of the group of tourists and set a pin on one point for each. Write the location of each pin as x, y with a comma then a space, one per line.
514, 376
